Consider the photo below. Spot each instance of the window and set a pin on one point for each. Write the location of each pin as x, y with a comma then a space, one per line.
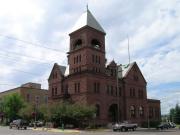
77, 44
77, 87
141, 111
56, 91
96, 87
132, 111
132, 92
95, 44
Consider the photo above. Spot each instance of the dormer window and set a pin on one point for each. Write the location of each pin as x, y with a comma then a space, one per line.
77, 44
95, 44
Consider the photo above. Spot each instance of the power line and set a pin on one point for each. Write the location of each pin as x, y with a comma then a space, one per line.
15, 61
6, 84
23, 55
30, 43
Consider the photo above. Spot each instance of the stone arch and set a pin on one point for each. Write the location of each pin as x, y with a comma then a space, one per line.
97, 110
95, 43
132, 110
141, 111
113, 112
77, 44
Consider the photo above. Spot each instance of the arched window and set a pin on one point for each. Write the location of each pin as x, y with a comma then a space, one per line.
77, 44
141, 111
95, 44
132, 111
97, 110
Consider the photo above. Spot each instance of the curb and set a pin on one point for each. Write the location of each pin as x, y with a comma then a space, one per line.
56, 130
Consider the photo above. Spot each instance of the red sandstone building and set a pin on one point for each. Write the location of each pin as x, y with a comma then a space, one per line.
92, 81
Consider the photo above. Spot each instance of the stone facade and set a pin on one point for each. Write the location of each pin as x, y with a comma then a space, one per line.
92, 81
30, 92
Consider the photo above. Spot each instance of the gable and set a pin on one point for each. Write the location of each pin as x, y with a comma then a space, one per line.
134, 73
56, 71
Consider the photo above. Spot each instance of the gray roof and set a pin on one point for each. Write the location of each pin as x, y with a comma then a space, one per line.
124, 69
87, 19
62, 69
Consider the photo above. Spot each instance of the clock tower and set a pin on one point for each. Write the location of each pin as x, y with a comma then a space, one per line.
87, 46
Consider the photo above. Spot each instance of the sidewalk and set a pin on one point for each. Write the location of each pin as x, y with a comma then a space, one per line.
56, 130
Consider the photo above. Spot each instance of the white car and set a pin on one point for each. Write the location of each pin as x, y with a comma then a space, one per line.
124, 126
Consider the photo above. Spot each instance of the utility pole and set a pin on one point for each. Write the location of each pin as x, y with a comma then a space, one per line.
118, 92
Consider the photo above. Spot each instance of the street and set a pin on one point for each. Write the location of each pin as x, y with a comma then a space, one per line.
7, 131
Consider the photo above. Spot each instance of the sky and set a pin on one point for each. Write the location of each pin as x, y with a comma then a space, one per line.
34, 36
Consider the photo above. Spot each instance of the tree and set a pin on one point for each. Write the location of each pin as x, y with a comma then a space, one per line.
26, 112
175, 114
67, 113
2, 106
12, 105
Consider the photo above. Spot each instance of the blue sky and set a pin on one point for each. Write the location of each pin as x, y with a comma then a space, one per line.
152, 26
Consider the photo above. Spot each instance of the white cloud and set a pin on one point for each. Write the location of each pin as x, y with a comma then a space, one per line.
153, 28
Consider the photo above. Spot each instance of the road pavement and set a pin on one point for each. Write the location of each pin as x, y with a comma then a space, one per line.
7, 131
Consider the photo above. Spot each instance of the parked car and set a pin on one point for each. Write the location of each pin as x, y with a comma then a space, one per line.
171, 125
163, 126
37, 123
124, 126
19, 123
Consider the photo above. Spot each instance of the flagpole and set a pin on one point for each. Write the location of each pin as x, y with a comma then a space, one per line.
128, 49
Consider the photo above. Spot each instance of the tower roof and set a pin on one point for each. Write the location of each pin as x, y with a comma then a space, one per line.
87, 19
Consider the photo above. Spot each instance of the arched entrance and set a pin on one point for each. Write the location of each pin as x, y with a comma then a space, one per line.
113, 113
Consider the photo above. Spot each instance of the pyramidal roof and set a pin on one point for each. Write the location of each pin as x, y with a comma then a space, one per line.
87, 19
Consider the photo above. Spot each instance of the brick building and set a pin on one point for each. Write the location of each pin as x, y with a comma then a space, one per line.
90, 80
30, 92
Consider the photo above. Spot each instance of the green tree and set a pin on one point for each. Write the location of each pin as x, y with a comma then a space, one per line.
13, 104
26, 112
1, 111
175, 114
67, 113
45, 111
